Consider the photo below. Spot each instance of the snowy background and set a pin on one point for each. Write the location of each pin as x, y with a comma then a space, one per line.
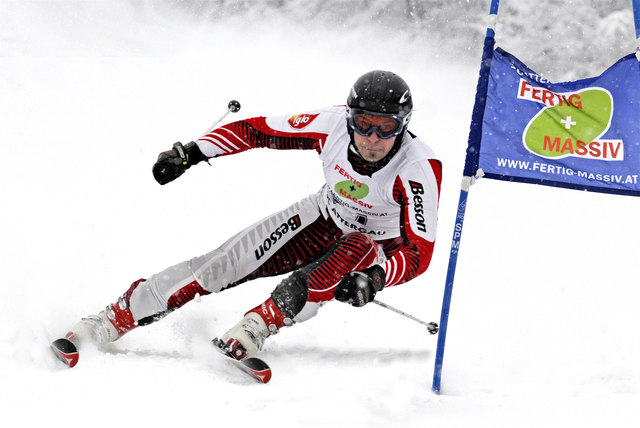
544, 327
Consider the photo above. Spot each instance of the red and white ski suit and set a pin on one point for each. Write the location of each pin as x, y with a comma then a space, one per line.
362, 215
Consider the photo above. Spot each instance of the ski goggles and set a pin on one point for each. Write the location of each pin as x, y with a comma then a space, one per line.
385, 125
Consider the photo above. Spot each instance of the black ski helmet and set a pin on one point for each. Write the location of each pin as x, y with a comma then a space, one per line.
383, 92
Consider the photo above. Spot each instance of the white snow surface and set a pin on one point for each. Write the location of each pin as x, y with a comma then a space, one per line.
544, 324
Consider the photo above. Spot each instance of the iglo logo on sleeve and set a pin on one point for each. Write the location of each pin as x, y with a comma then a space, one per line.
302, 120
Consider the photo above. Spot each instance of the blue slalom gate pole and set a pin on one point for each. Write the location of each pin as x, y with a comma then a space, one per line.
470, 171
636, 20
446, 301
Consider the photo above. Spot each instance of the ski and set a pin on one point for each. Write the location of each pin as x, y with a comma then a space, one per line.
254, 367
65, 351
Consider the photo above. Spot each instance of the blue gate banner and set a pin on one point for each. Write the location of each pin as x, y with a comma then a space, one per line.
583, 134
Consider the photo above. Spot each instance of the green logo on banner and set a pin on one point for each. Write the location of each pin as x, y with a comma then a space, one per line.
350, 190
571, 124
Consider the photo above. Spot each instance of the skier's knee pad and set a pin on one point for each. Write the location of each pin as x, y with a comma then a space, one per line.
357, 241
363, 246
291, 294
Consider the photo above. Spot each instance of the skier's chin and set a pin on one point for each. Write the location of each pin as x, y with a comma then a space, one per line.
372, 155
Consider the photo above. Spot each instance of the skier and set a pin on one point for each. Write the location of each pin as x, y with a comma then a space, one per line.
372, 224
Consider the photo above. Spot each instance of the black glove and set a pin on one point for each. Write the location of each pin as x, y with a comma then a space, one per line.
173, 163
360, 287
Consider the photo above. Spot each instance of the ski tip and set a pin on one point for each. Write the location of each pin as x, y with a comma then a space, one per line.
65, 351
263, 377
260, 370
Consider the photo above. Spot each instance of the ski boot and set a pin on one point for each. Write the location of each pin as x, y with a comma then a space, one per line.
107, 326
247, 337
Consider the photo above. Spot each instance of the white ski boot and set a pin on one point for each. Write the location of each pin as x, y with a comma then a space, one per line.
247, 337
107, 326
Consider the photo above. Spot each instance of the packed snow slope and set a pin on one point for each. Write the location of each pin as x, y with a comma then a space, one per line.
544, 319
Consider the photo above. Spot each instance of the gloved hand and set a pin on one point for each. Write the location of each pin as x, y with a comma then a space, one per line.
173, 163
360, 287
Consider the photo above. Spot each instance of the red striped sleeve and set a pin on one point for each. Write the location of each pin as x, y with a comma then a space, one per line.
252, 133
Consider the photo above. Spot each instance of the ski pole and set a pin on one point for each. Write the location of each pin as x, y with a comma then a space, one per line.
432, 327
233, 107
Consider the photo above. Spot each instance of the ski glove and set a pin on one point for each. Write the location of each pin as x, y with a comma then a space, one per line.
173, 163
360, 287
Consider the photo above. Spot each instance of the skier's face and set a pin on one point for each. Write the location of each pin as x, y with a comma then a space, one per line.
373, 148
